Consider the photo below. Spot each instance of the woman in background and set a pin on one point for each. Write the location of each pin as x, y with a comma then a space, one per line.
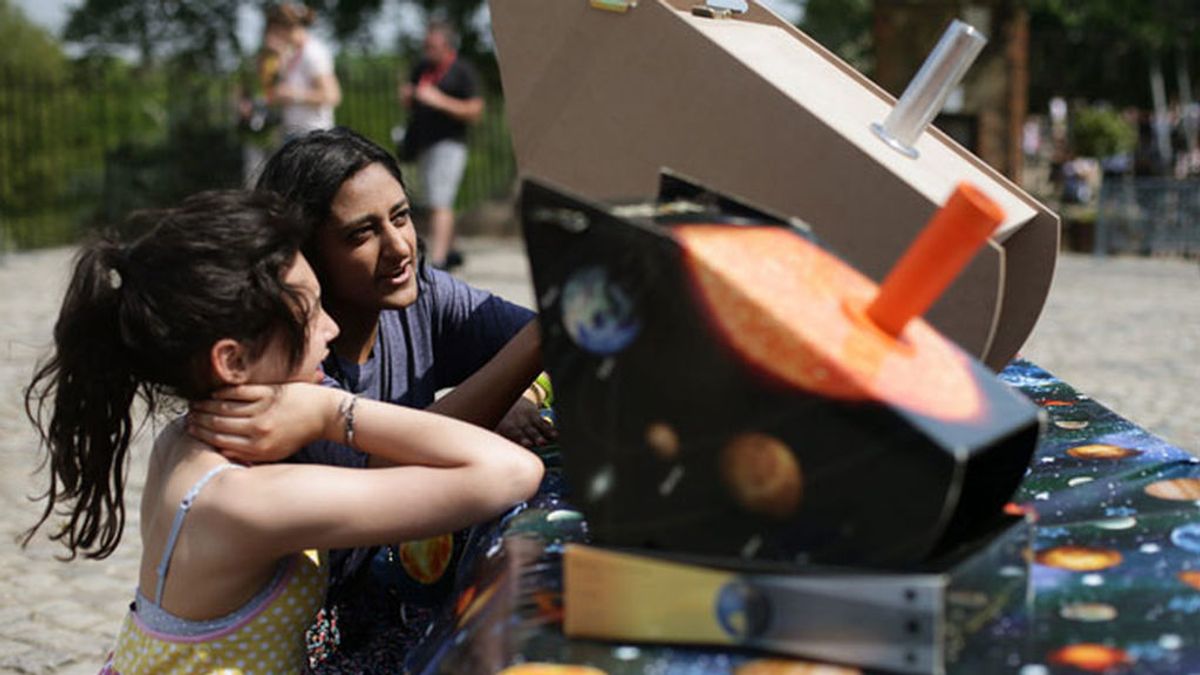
305, 87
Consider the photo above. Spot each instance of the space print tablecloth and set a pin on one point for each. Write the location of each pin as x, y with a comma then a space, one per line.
1114, 576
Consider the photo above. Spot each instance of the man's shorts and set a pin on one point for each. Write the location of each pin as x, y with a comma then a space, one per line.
441, 167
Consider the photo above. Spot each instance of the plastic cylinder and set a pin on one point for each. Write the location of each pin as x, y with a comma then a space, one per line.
938, 76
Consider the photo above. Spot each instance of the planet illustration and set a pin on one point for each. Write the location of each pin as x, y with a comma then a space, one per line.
792, 667
464, 600
663, 440
742, 610
796, 315
1187, 537
1071, 425
1095, 658
476, 602
762, 474
1102, 451
426, 560
1176, 489
1124, 523
1090, 612
1191, 578
551, 669
597, 313
1078, 558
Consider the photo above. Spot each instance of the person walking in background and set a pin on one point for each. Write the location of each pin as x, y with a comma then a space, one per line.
443, 95
305, 87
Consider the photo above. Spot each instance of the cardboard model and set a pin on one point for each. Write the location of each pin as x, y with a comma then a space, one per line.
725, 388
599, 101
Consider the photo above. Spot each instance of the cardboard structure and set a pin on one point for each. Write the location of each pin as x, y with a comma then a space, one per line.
723, 395
598, 101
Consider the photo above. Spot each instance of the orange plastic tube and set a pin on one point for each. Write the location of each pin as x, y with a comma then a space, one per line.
941, 251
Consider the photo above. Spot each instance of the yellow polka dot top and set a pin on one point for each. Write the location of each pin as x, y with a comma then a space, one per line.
265, 635
267, 639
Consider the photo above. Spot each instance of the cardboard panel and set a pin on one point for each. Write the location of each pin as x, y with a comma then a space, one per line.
600, 101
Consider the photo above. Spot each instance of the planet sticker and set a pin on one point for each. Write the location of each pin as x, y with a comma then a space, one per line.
1191, 578
551, 669
1089, 612
1102, 451
1079, 558
1177, 489
762, 474
426, 560
597, 313
742, 610
1095, 658
1187, 537
663, 440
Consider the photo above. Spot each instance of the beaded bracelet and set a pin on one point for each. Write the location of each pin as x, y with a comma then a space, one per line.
346, 410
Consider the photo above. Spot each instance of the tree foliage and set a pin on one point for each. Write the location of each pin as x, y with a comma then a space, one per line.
1122, 39
844, 27
25, 48
201, 34
31, 66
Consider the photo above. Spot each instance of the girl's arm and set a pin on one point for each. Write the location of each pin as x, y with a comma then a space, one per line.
449, 474
488, 394
265, 423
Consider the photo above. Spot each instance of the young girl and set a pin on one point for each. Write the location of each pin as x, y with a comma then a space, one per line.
408, 331
217, 295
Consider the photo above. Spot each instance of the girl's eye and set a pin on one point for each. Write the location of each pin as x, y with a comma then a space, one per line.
360, 233
400, 217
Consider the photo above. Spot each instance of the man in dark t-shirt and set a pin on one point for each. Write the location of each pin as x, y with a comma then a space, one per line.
443, 97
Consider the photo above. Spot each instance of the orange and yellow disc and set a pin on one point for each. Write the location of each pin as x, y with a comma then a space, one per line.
797, 314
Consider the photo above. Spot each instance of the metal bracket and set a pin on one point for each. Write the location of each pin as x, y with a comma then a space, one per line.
720, 9
708, 12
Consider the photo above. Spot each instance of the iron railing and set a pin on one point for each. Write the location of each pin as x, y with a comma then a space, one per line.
84, 147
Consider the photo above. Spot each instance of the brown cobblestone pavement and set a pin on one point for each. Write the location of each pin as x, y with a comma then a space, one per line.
1126, 331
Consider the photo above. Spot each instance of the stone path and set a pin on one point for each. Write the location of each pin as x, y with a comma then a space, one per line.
1126, 331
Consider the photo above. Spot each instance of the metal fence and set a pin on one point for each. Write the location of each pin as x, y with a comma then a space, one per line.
83, 147
1148, 216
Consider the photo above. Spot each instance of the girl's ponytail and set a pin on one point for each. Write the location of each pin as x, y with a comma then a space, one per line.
91, 385
139, 320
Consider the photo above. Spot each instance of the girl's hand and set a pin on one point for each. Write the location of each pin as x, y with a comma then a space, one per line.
523, 424
253, 424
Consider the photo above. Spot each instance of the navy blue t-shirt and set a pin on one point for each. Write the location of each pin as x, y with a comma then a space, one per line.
451, 331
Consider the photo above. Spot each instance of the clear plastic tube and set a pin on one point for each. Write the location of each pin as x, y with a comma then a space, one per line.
926, 94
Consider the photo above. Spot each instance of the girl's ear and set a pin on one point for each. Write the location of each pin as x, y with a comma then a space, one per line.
229, 361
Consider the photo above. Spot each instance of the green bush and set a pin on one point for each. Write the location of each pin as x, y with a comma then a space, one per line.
1101, 132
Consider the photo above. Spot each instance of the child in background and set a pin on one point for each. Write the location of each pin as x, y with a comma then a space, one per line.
216, 295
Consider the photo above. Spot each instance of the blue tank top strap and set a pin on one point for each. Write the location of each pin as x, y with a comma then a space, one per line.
177, 524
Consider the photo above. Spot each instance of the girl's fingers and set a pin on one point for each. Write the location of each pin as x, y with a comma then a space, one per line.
217, 423
228, 408
222, 441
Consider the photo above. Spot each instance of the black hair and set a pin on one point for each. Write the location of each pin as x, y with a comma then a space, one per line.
139, 320
309, 170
